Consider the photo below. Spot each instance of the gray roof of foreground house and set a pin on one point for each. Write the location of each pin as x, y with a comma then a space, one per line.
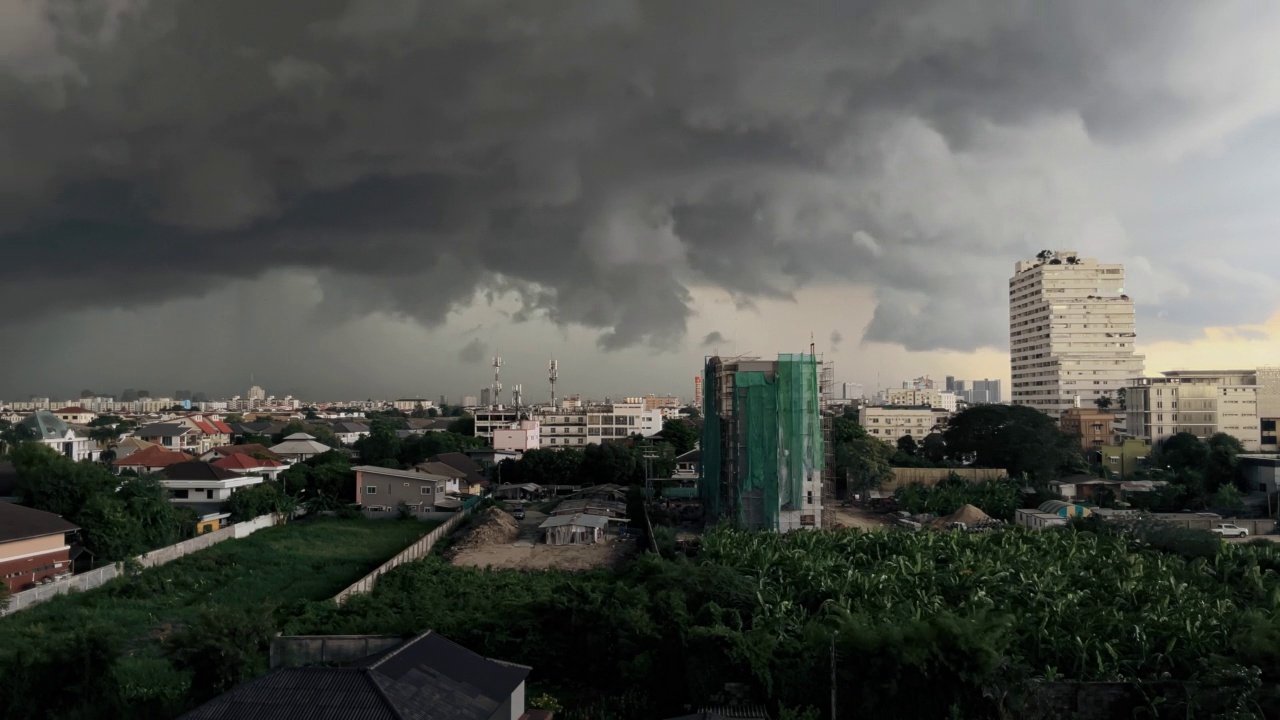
427, 678
18, 522
163, 430
592, 521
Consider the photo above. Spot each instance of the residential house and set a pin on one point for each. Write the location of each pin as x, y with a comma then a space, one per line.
172, 436
607, 491
35, 546
349, 432
257, 450
488, 457
151, 459
298, 447
607, 508
48, 430
1125, 458
249, 465
201, 482
131, 445
426, 678
440, 469
381, 489
519, 437
573, 529
688, 465
891, 422
521, 491
75, 415
473, 481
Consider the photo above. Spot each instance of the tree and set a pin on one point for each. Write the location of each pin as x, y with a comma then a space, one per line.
381, 444
680, 434
610, 463
223, 648
1103, 402
1017, 438
907, 445
1182, 451
934, 448
1228, 497
1222, 466
464, 425
254, 501
234, 418
1121, 397
11, 436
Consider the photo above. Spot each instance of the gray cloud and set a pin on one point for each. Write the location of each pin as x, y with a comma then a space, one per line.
713, 339
835, 339
599, 158
472, 352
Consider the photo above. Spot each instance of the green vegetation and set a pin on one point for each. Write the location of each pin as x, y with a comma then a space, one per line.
622, 463
132, 647
383, 447
924, 624
120, 517
1201, 474
997, 498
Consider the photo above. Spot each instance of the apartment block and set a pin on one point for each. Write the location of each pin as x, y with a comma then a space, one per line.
1200, 402
1094, 428
891, 422
1071, 332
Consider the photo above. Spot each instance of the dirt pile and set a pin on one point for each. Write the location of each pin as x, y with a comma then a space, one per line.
491, 527
968, 514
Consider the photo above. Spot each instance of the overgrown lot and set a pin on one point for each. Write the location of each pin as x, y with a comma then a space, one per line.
924, 624
152, 644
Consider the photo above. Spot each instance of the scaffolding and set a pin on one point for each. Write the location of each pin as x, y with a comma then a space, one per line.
763, 437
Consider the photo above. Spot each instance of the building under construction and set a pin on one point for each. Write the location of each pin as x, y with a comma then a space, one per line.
762, 442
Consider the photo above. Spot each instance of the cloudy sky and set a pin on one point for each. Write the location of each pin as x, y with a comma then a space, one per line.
350, 198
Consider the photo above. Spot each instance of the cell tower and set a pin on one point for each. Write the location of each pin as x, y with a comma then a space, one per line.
517, 392
553, 372
497, 383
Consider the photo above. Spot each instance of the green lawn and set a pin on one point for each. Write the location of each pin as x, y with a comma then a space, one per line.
307, 560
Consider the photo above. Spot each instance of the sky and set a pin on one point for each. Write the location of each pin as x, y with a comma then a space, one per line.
351, 199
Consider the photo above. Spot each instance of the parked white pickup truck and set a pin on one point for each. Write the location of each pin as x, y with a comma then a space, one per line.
1228, 530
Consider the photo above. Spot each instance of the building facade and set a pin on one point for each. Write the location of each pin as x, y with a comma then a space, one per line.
1200, 402
1071, 332
891, 422
762, 443
34, 546
1093, 428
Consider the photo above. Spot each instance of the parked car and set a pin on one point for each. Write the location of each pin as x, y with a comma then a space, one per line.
518, 513
1229, 530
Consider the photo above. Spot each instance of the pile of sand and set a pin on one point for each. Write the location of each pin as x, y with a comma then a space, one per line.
491, 527
968, 514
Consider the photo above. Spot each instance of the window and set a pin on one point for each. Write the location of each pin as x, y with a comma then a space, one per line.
810, 497
181, 494
209, 494
370, 489
425, 490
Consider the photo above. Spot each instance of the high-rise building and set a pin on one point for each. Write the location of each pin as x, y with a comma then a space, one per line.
985, 391
486, 397
762, 442
469, 401
257, 393
697, 391
1071, 332
951, 383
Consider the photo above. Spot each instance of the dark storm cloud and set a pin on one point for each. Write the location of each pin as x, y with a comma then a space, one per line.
472, 352
713, 339
598, 158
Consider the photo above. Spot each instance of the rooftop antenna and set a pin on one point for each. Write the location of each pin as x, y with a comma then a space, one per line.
553, 372
517, 391
497, 384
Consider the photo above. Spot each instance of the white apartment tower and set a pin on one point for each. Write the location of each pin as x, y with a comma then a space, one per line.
1071, 332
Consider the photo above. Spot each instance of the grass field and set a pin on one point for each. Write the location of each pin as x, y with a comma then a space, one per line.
273, 568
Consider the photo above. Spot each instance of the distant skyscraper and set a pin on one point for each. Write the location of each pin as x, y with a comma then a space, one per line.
469, 401
444, 400
486, 396
257, 393
951, 383
1071, 332
961, 390
985, 391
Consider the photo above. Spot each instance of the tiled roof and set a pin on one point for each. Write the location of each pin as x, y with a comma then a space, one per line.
73, 410
153, 456
205, 427
197, 470
163, 430
250, 449
426, 678
221, 427
18, 522
245, 462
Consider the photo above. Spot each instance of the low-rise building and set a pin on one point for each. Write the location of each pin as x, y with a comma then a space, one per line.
248, 465
75, 415
349, 432
1125, 457
1091, 427
381, 490
202, 482
573, 529
891, 422
298, 447
35, 546
521, 437
153, 458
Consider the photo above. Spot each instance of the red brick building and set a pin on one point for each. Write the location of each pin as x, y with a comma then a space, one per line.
33, 546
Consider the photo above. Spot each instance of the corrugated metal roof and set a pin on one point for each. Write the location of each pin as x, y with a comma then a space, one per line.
593, 521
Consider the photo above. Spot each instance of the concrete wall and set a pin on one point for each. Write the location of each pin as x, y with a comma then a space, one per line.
1191, 521
96, 578
431, 516
413, 552
301, 650
932, 476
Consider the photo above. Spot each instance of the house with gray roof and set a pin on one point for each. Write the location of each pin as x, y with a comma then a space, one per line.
47, 429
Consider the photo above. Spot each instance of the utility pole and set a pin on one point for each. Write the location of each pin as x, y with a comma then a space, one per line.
833, 676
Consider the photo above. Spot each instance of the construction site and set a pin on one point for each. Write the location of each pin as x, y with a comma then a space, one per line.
766, 441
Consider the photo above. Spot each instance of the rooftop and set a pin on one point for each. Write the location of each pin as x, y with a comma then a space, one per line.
46, 425
154, 456
197, 470
18, 522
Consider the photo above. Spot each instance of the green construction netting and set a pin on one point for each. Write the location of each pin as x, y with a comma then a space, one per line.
799, 426
778, 441
755, 408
